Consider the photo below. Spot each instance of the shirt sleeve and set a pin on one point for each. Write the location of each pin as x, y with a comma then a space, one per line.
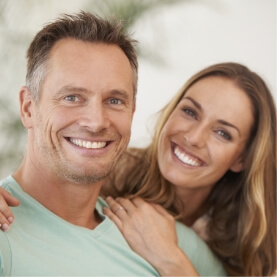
5, 255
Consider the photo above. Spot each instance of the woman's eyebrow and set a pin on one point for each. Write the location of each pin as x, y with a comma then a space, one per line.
226, 123
195, 103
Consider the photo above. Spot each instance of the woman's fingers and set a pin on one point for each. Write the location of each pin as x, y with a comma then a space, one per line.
8, 198
116, 209
4, 223
126, 203
161, 210
6, 215
112, 216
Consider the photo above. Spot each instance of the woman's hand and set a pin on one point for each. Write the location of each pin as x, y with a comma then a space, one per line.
6, 215
150, 231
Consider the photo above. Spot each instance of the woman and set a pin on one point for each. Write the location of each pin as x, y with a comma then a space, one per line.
240, 204
212, 161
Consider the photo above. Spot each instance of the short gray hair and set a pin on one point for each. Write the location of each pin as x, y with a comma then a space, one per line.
83, 26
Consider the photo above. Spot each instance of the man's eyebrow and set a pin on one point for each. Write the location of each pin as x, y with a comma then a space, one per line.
71, 89
121, 93
221, 121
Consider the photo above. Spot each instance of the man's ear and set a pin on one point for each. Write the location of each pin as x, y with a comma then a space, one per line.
25, 104
238, 165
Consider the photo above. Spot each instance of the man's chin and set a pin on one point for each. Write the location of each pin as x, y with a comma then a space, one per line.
86, 178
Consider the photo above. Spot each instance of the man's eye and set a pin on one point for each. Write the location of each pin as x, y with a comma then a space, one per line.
71, 98
115, 101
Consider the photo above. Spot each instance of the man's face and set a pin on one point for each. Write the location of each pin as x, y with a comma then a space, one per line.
82, 122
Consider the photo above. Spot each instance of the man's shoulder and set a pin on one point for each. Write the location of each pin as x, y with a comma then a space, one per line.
199, 253
100, 203
7, 182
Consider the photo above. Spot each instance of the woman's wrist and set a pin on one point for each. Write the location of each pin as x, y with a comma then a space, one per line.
177, 264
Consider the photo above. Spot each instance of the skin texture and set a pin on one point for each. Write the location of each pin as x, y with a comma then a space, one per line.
87, 97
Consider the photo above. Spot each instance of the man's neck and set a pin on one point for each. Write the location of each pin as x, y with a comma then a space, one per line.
72, 202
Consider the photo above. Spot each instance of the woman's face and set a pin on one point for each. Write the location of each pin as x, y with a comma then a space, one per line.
206, 134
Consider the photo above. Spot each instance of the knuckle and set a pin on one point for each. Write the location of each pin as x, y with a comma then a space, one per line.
4, 209
113, 206
121, 201
3, 219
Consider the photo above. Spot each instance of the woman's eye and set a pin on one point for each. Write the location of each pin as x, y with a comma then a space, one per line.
71, 98
224, 134
115, 101
190, 112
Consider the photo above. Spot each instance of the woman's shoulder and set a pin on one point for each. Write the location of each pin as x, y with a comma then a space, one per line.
200, 226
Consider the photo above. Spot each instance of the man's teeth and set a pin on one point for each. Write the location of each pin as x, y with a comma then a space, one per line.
88, 144
185, 158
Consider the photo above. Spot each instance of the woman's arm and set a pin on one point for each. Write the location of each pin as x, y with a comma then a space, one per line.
6, 215
150, 231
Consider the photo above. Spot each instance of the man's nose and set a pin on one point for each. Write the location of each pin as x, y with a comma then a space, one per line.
95, 117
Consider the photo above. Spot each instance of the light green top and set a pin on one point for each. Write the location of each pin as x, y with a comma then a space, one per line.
39, 243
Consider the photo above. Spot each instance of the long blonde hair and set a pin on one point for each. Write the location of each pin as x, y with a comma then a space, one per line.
242, 229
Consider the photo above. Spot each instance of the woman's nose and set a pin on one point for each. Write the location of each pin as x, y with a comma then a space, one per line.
196, 136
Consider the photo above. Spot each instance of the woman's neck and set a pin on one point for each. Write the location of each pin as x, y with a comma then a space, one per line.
192, 203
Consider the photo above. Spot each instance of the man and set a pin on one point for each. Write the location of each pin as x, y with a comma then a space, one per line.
77, 106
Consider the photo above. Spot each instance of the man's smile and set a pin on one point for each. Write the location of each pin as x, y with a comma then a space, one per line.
89, 144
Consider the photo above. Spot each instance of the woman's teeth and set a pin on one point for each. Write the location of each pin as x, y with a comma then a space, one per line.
88, 144
185, 158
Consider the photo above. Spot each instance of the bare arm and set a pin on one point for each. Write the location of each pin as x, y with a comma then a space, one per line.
6, 215
150, 232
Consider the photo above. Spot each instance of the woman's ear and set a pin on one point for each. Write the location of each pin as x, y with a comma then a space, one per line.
25, 105
238, 165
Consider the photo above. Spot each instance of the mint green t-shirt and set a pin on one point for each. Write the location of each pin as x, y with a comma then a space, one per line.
40, 243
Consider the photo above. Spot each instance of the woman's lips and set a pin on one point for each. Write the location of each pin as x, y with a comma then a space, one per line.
186, 158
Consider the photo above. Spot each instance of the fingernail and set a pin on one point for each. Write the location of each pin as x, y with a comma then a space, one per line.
10, 219
5, 227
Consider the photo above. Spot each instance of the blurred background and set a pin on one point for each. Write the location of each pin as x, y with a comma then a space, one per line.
176, 38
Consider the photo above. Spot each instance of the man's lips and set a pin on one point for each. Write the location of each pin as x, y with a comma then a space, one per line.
89, 144
186, 158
